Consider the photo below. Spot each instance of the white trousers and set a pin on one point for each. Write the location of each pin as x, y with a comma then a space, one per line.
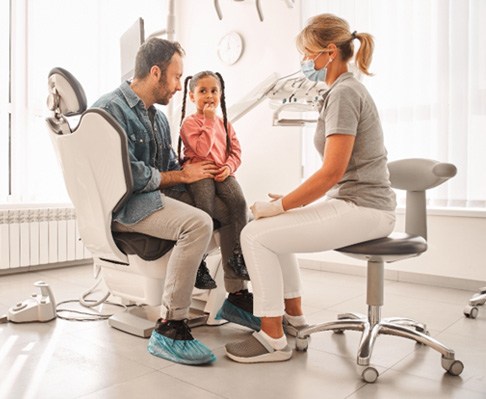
269, 245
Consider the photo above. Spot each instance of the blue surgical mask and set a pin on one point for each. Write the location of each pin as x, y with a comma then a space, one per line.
309, 70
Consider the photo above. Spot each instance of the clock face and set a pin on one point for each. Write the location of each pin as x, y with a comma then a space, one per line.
230, 48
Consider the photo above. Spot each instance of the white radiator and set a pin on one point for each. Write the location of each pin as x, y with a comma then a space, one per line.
39, 236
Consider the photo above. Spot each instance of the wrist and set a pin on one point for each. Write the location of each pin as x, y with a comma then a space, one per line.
183, 176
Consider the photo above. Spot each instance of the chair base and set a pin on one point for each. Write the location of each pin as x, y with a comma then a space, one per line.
479, 299
371, 326
140, 320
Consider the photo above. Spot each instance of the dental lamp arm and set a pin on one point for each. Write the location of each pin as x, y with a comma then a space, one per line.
259, 10
292, 93
217, 7
293, 107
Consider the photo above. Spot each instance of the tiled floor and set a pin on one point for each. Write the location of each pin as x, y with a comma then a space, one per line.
66, 359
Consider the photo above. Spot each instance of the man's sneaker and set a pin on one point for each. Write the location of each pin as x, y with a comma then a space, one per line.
242, 299
238, 309
204, 281
237, 263
172, 340
256, 349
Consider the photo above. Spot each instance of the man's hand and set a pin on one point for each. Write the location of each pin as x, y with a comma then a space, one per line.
222, 173
193, 172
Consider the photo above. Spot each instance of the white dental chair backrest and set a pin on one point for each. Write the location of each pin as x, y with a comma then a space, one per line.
91, 157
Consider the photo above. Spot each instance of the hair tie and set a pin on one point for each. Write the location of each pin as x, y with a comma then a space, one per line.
353, 35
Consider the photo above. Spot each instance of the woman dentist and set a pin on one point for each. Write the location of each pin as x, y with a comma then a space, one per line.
359, 203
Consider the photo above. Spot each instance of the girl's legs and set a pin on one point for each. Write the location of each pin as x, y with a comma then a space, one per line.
203, 193
232, 282
231, 194
229, 191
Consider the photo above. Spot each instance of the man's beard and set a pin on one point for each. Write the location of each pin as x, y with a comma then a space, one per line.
164, 98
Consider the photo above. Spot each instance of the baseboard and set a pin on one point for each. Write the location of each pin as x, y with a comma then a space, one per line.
395, 275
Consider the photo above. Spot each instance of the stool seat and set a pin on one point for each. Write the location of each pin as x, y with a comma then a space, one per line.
394, 244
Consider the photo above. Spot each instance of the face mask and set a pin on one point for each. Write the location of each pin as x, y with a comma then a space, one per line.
309, 70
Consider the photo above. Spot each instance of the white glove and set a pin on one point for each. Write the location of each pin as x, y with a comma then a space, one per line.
261, 209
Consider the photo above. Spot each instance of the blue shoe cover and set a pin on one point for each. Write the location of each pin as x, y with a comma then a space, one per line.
190, 352
239, 316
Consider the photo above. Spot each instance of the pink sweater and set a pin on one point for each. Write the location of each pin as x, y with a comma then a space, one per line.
205, 139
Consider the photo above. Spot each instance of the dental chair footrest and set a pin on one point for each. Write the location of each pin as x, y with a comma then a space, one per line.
140, 320
132, 324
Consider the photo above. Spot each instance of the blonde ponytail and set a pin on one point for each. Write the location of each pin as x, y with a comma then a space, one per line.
325, 29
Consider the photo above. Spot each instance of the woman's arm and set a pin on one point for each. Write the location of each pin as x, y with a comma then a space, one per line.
337, 153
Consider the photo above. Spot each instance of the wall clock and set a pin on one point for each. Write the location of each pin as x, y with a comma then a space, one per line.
230, 48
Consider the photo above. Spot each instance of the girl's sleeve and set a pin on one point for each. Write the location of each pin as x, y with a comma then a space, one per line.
199, 138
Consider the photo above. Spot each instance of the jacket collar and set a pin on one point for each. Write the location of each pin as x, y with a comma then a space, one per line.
130, 96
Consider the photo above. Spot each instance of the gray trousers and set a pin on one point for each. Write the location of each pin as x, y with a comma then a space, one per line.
204, 193
191, 228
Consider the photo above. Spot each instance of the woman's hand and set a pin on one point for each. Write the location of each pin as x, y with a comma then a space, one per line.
262, 209
222, 173
275, 197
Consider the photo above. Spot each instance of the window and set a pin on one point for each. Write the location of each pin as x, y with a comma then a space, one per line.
4, 98
80, 36
429, 84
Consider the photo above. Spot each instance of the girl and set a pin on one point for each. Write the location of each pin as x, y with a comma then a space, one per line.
209, 137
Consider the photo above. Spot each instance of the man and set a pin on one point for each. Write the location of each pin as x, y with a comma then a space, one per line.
158, 205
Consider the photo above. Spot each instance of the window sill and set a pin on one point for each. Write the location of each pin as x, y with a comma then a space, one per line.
452, 212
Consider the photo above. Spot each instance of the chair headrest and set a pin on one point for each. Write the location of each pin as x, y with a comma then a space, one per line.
66, 95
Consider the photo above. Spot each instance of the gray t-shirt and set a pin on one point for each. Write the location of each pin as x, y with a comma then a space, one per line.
347, 108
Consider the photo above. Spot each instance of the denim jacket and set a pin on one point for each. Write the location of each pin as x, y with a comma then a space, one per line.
150, 151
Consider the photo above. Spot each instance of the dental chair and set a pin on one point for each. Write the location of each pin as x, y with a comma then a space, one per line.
471, 310
415, 176
96, 169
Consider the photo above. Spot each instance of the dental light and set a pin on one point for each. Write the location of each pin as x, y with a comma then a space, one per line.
217, 7
292, 94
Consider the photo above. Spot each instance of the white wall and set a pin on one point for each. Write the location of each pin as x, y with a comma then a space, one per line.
272, 155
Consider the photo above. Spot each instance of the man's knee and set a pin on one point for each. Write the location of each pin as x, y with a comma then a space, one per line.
204, 221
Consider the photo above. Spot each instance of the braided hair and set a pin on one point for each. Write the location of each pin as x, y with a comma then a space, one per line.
183, 114
192, 81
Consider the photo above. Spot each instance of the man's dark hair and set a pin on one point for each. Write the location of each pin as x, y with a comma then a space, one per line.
155, 52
